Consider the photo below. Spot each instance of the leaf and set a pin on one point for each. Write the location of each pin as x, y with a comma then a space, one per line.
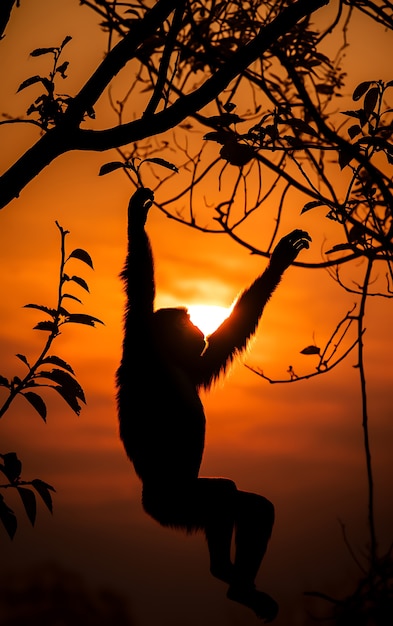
220, 136
326, 90
82, 318
110, 167
370, 101
58, 361
70, 399
43, 490
62, 69
79, 281
29, 81
37, 402
29, 502
355, 114
237, 153
8, 518
311, 350
361, 90
23, 359
68, 382
162, 162
82, 255
344, 158
65, 41
40, 51
68, 295
51, 326
311, 205
45, 309
302, 126
354, 130
12, 466
226, 119
4, 382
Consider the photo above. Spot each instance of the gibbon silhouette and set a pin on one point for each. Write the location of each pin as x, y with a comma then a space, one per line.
165, 362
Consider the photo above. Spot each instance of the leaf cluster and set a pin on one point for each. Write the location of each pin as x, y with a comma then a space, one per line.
134, 164
49, 106
11, 468
49, 370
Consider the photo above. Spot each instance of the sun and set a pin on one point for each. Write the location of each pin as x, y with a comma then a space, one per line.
208, 317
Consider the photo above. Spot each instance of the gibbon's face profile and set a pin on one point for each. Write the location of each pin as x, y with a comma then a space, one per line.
177, 335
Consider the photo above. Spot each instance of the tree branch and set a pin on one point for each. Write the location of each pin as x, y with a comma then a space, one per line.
67, 135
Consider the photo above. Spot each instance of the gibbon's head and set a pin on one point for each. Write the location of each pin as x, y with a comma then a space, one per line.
176, 335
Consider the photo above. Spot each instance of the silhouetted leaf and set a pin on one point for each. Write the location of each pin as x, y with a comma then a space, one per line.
11, 466
69, 398
43, 490
344, 158
302, 126
237, 154
361, 90
82, 255
226, 119
311, 350
110, 167
58, 361
326, 90
68, 295
62, 69
355, 114
29, 502
45, 326
40, 307
37, 402
23, 359
39, 51
68, 382
82, 318
353, 131
220, 136
311, 205
79, 281
162, 162
370, 101
4, 382
8, 518
65, 41
31, 81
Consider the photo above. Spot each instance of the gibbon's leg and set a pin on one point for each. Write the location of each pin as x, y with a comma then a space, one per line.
217, 501
253, 526
226, 513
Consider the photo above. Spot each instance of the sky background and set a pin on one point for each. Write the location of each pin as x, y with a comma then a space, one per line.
300, 445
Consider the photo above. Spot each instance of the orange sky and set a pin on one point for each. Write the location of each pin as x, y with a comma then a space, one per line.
300, 445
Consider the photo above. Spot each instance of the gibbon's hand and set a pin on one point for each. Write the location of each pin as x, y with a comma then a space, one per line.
288, 248
139, 205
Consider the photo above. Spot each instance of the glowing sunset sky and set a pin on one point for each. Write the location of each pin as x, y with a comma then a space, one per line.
300, 445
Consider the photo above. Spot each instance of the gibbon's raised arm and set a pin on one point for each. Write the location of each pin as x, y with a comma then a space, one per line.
138, 272
232, 335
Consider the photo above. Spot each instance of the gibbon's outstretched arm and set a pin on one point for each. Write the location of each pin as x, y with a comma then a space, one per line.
138, 272
232, 335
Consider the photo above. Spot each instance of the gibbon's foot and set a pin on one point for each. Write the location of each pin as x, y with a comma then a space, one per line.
261, 603
223, 572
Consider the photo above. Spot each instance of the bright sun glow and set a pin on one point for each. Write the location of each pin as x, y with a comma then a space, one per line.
206, 317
